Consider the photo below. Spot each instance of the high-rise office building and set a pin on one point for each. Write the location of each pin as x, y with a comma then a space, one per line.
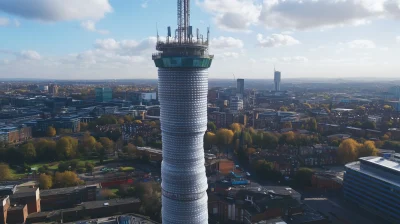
277, 81
373, 183
53, 89
103, 94
240, 86
183, 63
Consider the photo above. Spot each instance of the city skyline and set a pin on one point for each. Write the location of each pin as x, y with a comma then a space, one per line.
102, 39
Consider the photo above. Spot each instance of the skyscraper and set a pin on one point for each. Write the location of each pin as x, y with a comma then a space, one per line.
183, 63
240, 86
103, 94
277, 80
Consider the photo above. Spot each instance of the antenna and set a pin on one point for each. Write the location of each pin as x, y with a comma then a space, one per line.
157, 32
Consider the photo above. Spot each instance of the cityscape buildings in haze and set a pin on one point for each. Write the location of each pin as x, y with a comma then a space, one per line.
183, 63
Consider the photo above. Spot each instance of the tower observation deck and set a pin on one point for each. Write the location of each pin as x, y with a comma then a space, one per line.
183, 63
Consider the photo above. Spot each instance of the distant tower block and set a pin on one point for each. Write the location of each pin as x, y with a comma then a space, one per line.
240, 86
277, 81
183, 63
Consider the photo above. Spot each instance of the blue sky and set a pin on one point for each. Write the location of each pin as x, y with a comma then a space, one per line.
114, 39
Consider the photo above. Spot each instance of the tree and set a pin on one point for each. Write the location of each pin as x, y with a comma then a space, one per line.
45, 181
283, 108
387, 108
130, 149
107, 143
67, 179
5, 172
236, 127
368, 149
209, 140
121, 121
348, 151
66, 147
303, 176
269, 141
287, 125
369, 125
88, 143
29, 152
137, 122
139, 141
89, 167
51, 132
265, 170
224, 136
153, 124
211, 126
83, 126
312, 125
45, 150
108, 194
307, 105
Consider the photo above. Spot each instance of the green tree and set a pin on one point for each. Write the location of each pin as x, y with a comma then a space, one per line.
313, 126
287, 125
224, 136
139, 141
66, 147
45, 150
5, 172
67, 179
45, 181
369, 125
89, 167
29, 152
137, 122
51, 132
303, 176
211, 126
210, 139
107, 143
236, 127
348, 151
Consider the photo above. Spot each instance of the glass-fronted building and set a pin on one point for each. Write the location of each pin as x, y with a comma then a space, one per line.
373, 183
103, 94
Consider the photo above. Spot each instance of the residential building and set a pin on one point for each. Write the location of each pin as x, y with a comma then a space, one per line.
4, 206
53, 89
103, 94
236, 104
66, 197
277, 81
373, 184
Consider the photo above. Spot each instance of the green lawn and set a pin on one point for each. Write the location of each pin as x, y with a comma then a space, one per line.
54, 165
16, 176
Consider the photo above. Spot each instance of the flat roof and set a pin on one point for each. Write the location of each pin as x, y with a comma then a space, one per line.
65, 190
379, 161
108, 203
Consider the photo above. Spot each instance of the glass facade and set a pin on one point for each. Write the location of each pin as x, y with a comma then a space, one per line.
370, 183
103, 94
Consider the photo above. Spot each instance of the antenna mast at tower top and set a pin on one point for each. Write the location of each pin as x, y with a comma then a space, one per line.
184, 28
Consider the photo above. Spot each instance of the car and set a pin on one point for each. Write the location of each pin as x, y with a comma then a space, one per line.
248, 174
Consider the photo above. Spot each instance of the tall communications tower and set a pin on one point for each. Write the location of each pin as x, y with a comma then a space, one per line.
183, 61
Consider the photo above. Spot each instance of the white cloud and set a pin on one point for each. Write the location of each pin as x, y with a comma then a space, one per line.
226, 43
57, 10
287, 60
234, 15
276, 40
398, 39
361, 44
17, 23
30, 55
145, 4
4, 21
107, 44
91, 26
298, 14
230, 55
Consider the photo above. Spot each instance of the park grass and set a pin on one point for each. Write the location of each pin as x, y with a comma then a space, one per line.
54, 165
126, 169
15, 175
